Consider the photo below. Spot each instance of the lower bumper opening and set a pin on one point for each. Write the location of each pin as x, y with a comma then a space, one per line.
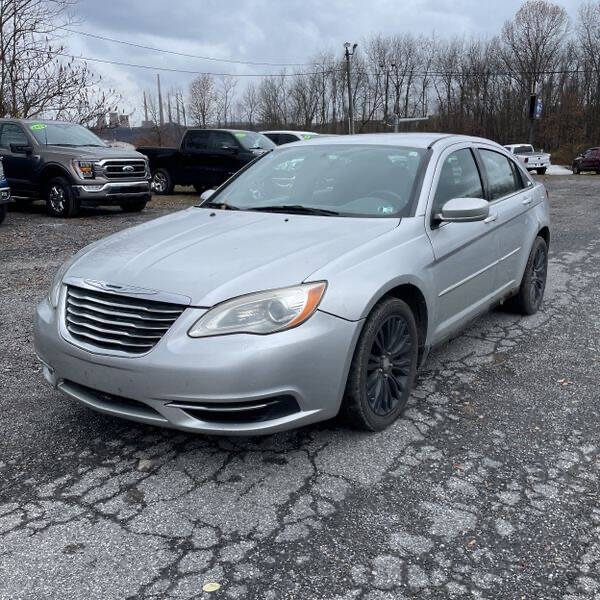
254, 411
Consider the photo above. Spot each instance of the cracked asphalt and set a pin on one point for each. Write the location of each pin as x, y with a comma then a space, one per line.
488, 487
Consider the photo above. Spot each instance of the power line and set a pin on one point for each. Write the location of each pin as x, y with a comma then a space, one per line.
171, 70
212, 58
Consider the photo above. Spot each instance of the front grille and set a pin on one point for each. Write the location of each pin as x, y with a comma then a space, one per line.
115, 322
124, 168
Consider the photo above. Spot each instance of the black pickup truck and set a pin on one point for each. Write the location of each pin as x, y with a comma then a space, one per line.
204, 159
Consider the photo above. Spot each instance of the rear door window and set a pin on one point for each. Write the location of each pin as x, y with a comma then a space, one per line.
197, 140
501, 176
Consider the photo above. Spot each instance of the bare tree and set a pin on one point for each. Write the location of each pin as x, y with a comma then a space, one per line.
225, 95
248, 105
202, 103
34, 79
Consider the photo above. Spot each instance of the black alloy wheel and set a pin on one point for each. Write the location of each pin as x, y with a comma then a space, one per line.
528, 299
383, 368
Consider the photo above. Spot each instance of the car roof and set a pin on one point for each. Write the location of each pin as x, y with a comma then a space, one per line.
17, 120
291, 131
413, 140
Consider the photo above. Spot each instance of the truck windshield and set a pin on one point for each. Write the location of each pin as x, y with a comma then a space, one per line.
254, 141
334, 180
64, 134
524, 149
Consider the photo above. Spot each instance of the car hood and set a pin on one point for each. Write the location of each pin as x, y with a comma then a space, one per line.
92, 152
210, 256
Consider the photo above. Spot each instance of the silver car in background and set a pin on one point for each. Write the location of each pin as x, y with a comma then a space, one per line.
314, 281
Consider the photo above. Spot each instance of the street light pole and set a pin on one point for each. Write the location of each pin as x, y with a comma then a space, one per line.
349, 54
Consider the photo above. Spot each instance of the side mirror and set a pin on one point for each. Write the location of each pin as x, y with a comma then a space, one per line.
464, 210
206, 194
21, 149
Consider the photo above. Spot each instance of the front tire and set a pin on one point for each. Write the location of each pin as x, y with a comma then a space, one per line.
531, 292
542, 171
162, 182
576, 170
60, 200
383, 368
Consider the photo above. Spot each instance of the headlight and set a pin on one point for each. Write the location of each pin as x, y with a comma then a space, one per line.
261, 313
84, 168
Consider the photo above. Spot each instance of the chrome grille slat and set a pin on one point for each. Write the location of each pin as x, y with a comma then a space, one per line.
128, 306
116, 322
108, 311
123, 323
115, 332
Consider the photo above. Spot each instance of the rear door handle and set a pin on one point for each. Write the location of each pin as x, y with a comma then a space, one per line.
527, 201
491, 218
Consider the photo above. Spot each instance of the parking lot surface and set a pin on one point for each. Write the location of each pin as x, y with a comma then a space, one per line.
487, 488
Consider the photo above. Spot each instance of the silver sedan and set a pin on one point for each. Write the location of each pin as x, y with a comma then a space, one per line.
311, 283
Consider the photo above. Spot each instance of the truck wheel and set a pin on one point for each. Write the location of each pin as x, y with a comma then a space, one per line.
162, 183
576, 170
384, 367
133, 206
3, 211
541, 171
60, 200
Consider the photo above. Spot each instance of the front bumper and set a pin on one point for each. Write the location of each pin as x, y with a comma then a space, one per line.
113, 192
307, 366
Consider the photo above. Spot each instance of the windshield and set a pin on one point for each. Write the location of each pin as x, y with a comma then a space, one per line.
64, 134
345, 180
525, 149
254, 141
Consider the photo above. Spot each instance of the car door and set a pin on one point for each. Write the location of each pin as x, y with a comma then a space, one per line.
226, 157
195, 165
588, 162
511, 195
18, 166
466, 254
596, 160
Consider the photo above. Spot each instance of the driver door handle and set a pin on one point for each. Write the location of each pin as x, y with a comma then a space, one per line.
491, 218
527, 201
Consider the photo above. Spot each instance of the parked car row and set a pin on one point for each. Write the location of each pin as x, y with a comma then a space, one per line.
68, 166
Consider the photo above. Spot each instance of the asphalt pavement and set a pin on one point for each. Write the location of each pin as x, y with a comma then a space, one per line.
488, 488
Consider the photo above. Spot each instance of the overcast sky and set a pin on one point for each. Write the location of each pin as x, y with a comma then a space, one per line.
260, 30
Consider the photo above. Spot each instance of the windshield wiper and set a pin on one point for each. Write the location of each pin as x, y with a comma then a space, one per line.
220, 205
295, 208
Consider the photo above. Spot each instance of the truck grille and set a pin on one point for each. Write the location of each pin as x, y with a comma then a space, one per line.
114, 322
124, 168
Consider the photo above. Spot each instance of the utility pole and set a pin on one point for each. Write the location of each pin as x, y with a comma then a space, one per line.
169, 108
145, 108
533, 109
161, 116
348, 55
183, 110
386, 92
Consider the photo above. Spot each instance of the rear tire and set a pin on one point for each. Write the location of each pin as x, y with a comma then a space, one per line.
542, 171
383, 368
60, 200
162, 182
133, 206
3, 211
531, 292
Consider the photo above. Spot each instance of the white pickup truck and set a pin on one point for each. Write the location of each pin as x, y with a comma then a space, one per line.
533, 161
